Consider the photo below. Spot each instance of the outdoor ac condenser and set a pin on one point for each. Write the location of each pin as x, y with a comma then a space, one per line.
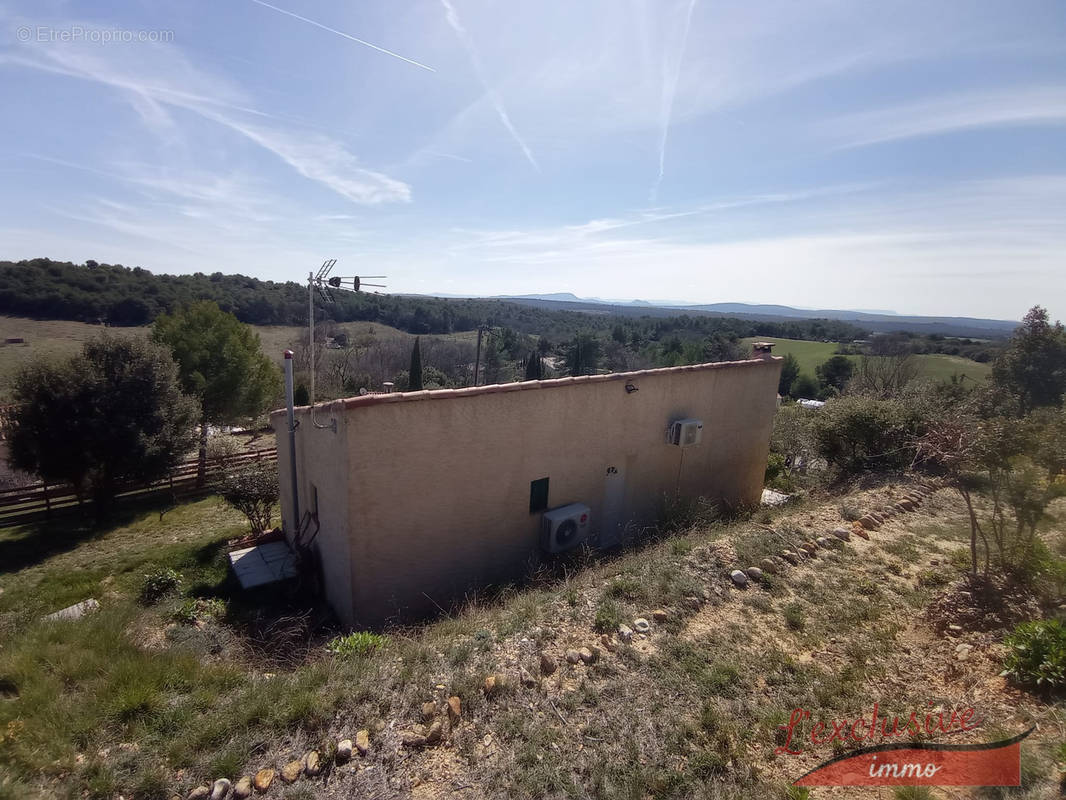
564, 528
685, 432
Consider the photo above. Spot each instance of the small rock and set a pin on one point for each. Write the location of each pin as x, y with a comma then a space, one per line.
312, 763
547, 664
490, 684
739, 578
843, 534
429, 711
220, 789
291, 771
455, 709
263, 779
412, 739
344, 751
861, 532
199, 793
526, 678
768, 565
243, 788
607, 642
641, 625
934, 562
435, 732
754, 573
963, 647
572, 656
869, 523
790, 557
659, 615
692, 602
362, 741
906, 504
955, 628
625, 633
589, 655
822, 541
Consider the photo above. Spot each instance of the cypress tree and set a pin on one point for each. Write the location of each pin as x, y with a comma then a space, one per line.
415, 373
534, 367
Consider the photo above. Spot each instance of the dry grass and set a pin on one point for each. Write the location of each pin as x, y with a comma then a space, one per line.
130, 701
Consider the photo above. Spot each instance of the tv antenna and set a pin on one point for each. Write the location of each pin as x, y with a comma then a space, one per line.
323, 284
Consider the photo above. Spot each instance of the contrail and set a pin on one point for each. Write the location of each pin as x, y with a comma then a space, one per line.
667, 110
494, 97
345, 35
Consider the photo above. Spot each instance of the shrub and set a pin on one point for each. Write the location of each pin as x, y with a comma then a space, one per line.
608, 616
856, 433
794, 616
359, 643
158, 583
1036, 654
252, 490
197, 609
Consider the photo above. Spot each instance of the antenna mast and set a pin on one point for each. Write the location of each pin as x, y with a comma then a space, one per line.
322, 283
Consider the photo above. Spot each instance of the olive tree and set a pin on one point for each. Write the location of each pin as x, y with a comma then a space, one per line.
113, 414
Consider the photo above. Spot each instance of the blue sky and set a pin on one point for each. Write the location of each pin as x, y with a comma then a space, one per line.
894, 155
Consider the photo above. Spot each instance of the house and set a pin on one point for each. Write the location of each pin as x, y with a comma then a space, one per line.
421, 497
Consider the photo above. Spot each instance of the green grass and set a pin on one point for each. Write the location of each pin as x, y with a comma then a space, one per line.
935, 367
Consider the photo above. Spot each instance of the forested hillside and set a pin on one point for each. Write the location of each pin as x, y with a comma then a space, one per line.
118, 295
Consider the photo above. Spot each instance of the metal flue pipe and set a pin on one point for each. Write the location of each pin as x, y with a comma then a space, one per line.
290, 405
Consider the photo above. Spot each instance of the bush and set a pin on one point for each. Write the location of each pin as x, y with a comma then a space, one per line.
360, 643
1037, 654
158, 583
252, 490
608, 617
856, 433
197, 609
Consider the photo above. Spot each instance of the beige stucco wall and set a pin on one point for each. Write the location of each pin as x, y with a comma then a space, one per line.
425, 496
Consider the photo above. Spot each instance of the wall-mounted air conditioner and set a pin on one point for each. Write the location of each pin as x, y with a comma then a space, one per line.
685, 432
564, 528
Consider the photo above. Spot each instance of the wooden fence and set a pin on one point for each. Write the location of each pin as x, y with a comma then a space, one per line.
42, 500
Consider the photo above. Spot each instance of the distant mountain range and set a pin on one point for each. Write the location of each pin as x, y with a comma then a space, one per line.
876, 321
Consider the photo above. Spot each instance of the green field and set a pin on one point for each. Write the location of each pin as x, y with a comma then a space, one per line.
932, 367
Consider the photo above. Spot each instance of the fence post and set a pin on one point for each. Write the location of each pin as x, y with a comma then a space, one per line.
47, 502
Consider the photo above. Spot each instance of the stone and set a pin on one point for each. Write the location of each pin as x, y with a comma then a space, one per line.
641, 625
199, 793
435, 732
861, 533
76, 611
625, 633
344, 751
547, 664
823, 542
220, 789
243, 788
263, 779
906, 504
455, 709
362, 741
526, 678
790, 557
843, 534
869, 523
291, 771
412, 739
739, 578
955, 628
572, 657
429, 710
589, 655
768, 565
754, 573
490, 684
312, 763
660, 615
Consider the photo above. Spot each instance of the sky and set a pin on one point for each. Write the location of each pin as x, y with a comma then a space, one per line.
906, 156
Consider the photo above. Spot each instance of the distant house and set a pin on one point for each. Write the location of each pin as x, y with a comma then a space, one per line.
810, 403
417, 498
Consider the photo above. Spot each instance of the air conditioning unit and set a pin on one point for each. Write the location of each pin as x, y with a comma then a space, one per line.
564, 528
685, 432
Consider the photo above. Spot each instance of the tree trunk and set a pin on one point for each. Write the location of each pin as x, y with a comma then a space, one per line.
201, 465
